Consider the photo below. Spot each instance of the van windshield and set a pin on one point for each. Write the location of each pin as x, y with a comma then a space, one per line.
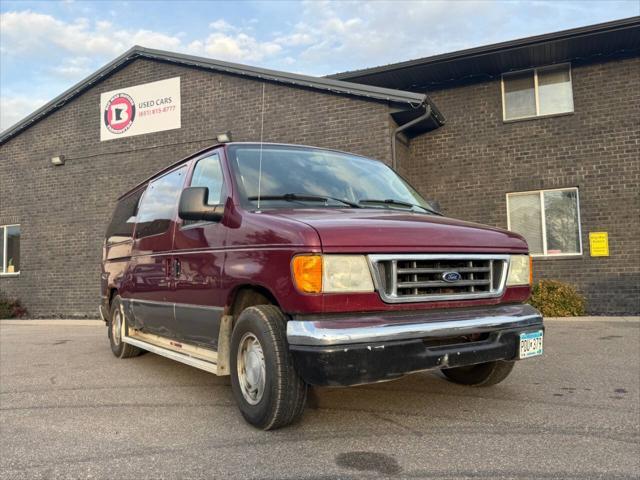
299, 177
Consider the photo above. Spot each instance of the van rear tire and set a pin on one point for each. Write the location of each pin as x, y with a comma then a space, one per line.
117, 329
481, 375
269, 392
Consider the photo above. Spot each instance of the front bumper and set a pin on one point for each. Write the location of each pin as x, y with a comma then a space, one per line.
381, 346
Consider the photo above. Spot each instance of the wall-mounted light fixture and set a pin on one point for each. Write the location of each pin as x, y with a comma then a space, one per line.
57, 160
223, 137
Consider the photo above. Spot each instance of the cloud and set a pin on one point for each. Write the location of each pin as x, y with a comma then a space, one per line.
45, 54
348, 35
322, 36
73, 68
222, 25
237, 47
63, 52
331, 36
15, 107
30, 33
27, 32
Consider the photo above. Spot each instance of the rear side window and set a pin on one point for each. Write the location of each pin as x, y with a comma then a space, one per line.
159, 204
208, 173
124, 219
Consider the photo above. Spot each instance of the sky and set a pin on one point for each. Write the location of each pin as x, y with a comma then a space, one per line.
47, 47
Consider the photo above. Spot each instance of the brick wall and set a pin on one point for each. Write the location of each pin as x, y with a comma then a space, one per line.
468, 166
475, 159
63, 211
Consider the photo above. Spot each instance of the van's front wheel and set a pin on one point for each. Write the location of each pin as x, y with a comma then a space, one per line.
265, 384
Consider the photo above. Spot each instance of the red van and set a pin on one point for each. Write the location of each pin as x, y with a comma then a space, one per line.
286, 266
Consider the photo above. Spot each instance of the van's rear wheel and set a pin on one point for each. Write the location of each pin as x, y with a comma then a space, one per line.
481, 375
117, 330
265, 384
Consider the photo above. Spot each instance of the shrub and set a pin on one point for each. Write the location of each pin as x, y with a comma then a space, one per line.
557, 299
11, 307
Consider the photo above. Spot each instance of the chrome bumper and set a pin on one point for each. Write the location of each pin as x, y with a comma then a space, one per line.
390, 326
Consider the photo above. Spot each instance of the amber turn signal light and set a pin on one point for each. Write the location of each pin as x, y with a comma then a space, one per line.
307, 273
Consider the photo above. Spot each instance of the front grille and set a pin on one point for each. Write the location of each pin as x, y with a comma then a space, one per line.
428, 277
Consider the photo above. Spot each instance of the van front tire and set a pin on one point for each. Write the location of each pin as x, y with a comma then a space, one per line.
117, 330
265, 384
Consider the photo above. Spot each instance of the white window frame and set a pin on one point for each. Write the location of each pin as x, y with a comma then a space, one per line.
3, 267
540, 193
536, 92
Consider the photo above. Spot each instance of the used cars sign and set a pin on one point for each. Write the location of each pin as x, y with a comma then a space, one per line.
147, 108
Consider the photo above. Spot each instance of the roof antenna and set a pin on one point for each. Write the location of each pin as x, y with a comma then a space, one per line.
260, 161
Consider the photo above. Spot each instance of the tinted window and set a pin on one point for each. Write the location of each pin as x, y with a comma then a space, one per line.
208, 173
159, 204
124, 218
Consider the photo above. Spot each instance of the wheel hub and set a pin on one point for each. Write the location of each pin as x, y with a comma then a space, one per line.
251, 369
116, 328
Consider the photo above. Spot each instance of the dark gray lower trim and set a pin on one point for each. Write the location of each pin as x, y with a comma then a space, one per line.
197, 324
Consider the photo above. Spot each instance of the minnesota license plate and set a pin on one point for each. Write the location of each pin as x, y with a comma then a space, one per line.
531, 344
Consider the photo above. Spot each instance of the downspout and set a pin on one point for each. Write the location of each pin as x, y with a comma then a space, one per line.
397, 130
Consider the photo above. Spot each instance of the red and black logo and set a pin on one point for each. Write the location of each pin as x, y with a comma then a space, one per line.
119, 113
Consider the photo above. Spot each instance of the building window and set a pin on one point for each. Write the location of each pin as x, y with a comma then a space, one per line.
9, 249
548, 219
537, 92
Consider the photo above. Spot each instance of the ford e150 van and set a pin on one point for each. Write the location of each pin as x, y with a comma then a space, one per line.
287, 266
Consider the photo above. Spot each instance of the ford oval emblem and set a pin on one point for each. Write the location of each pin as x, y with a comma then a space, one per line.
451, 277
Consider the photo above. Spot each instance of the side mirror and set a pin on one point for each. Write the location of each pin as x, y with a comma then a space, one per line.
193, 205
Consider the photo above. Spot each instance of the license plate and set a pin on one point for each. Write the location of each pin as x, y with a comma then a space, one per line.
531, 344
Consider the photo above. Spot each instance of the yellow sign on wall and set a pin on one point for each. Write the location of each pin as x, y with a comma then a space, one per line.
599, 244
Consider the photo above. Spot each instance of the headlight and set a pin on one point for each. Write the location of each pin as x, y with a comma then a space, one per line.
331, 273
519, 270
346, 273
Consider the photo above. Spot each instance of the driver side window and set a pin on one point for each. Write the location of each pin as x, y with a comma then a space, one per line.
208, 173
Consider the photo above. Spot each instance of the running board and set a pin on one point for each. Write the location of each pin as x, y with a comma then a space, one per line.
173, 355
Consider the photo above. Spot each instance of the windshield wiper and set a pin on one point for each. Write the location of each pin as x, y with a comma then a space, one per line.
291, 197
400, 203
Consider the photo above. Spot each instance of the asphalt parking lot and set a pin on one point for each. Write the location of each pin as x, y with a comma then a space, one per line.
69, 409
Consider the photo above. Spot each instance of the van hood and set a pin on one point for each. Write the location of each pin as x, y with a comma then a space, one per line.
385, 230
